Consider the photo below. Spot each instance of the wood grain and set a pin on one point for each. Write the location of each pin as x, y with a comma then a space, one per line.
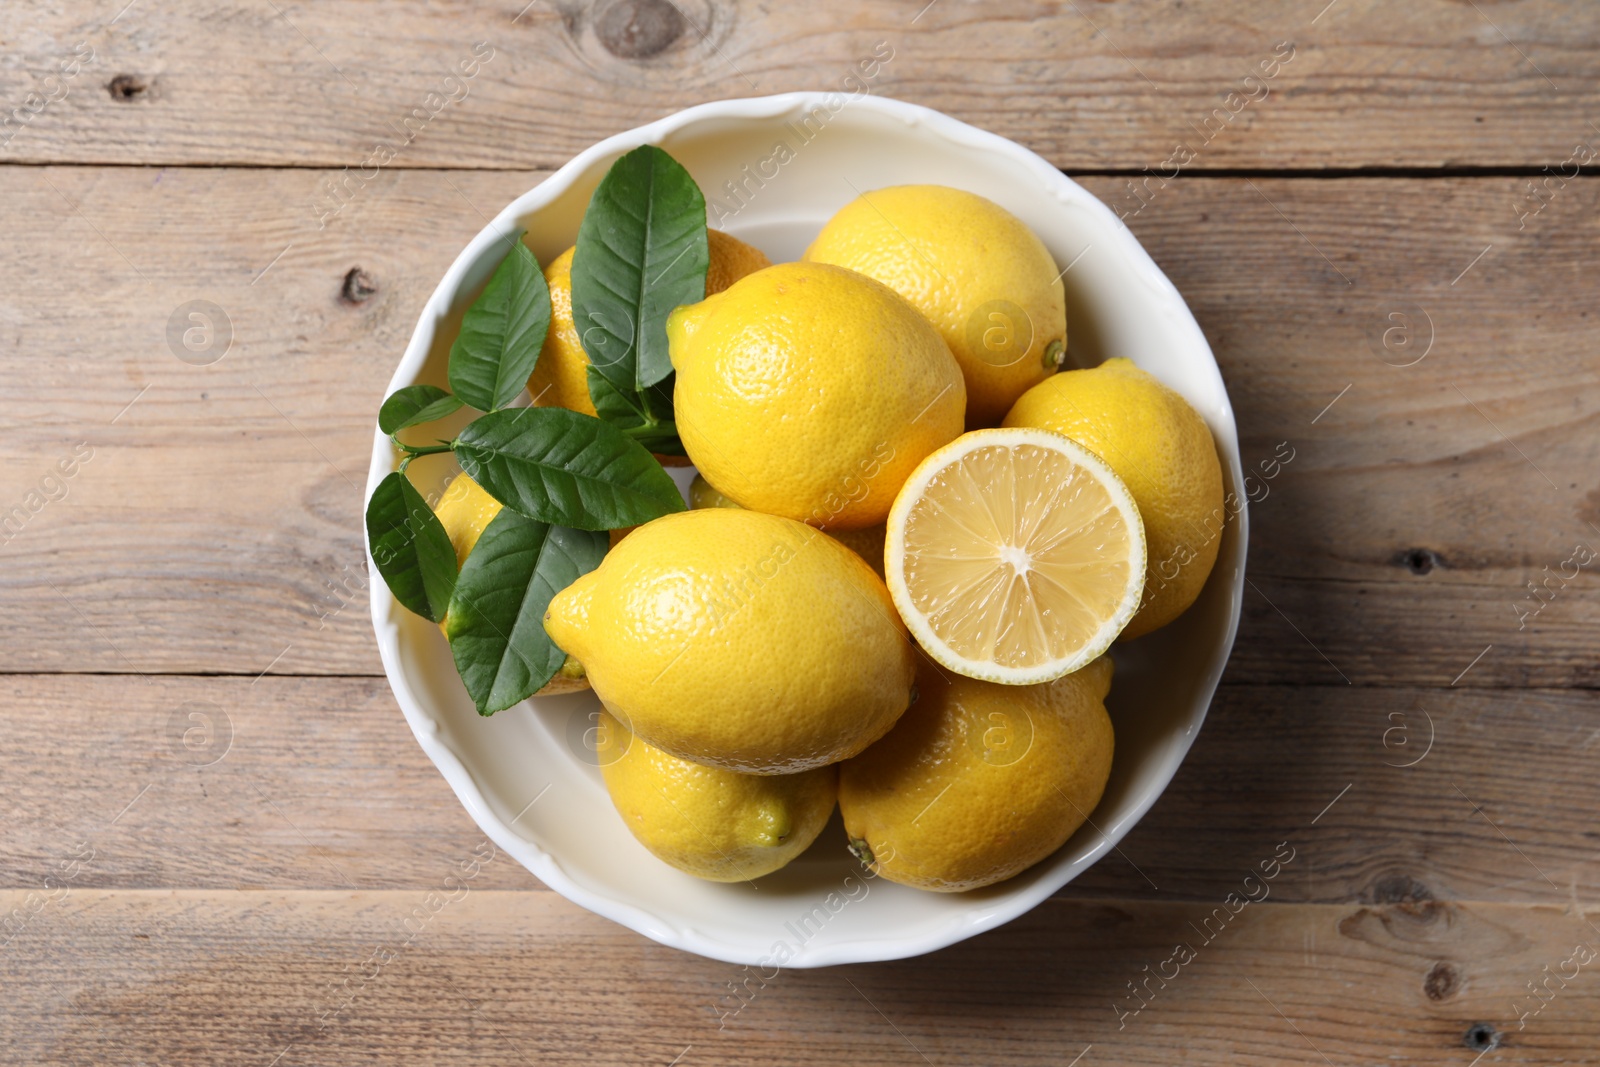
503, 977
219, 832
217, 525
226, 783
1399, 543
1089, 86
298, 782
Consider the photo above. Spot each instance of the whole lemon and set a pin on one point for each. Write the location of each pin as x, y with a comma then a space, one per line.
1163, 451
979, 781
731, 259
974, 269
561, 377
866, 542
702, 494
707, 821
465, 511
811, 392
739, 640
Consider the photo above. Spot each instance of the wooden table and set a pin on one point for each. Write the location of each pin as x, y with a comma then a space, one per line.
216, 823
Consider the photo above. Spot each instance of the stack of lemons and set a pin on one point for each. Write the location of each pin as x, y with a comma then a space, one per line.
912, 539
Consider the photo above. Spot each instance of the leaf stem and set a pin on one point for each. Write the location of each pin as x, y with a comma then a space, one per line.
413, 451
422, 450
655, 430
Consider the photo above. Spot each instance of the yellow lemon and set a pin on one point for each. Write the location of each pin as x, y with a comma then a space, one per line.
1163, 450
702, 494
710, 822
731, 259
810, 391
866, 542
974, 269
561, 377
978, 782
739, 640
1015, 555
465, 510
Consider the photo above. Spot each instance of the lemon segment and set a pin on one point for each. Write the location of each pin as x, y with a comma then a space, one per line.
1015, 555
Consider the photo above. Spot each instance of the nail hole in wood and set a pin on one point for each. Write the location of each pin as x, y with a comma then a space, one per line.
1481, 1037
126, 88
358, 287
1419, 560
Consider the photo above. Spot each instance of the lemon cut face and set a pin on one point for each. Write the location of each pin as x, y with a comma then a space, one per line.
1015, 555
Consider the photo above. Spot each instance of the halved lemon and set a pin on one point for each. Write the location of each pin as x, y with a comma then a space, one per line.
1015, 555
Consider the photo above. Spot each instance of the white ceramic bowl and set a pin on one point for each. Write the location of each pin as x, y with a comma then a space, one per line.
527, 777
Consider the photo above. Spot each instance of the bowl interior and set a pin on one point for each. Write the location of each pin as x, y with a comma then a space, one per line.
773, 170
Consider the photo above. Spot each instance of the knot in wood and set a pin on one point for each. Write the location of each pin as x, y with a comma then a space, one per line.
1442, 982
638, 29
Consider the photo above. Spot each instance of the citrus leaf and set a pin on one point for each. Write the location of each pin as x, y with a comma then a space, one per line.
619, 407
668, 444
565, 468
641, 252
410, 547
415, 405
660, 437
502, 333
496, 621
622, 410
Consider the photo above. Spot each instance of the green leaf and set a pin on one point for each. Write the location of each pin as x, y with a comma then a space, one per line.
415, 405
502, 333
663, 442
618, 407
624, 409
641, 252
496, 622
624, 413
410, 547
561, 467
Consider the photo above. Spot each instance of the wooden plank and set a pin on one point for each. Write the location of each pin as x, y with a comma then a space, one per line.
1405, 794
1428, 84
217, 525
1425, 353
196, 977
225, 783
296, 782
283, 420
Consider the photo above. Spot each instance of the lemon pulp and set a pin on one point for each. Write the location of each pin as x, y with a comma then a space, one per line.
1015, 555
